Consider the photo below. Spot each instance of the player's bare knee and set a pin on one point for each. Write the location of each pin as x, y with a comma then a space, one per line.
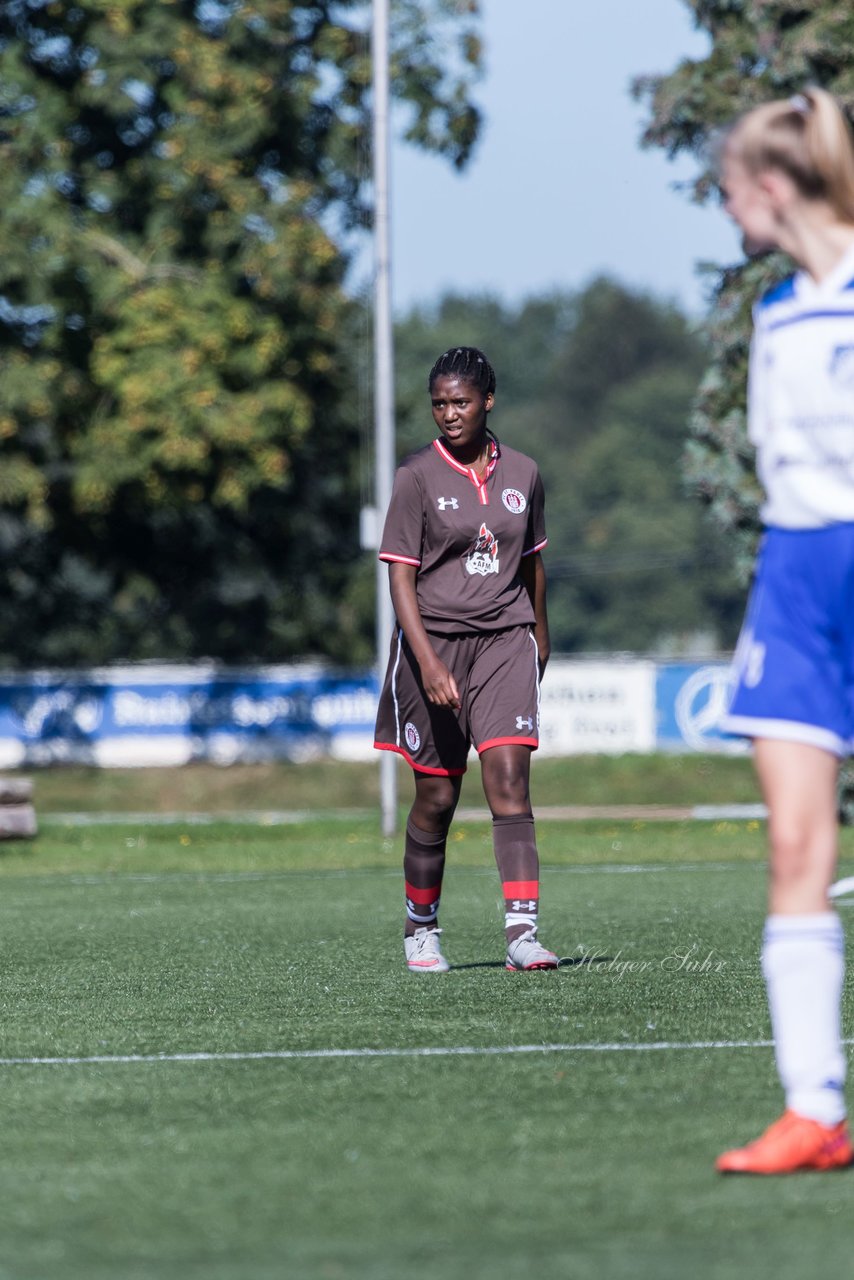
440, 816
435, 802
793, 862
788, 873
506, 790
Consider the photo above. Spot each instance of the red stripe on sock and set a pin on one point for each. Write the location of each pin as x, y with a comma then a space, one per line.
423, 897
521, 888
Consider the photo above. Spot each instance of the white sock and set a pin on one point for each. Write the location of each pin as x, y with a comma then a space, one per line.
803, 963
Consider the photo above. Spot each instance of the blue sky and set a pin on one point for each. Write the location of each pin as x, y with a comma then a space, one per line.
559, 189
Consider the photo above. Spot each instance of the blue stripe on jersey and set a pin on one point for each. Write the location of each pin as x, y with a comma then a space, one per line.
807, 315
780, 293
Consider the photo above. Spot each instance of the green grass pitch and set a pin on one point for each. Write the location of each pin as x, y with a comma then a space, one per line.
593, 1162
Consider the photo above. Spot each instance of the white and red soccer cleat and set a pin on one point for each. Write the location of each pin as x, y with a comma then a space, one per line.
525, 953
423, 954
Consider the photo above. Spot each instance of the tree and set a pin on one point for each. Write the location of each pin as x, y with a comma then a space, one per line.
178, 455
523, 343
630, 566
760, 49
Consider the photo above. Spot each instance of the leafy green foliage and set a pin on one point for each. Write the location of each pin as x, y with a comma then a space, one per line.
760, 49
178, 458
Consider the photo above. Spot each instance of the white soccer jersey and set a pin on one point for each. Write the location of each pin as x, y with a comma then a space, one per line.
801, 399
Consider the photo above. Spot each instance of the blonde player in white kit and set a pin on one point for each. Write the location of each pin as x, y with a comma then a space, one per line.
788, 182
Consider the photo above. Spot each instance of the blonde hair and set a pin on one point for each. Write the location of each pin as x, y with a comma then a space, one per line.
809, 138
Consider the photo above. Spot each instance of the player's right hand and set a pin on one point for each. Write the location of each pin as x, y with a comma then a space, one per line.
439, 685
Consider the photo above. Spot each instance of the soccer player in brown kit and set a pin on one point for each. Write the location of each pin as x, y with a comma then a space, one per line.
462, 538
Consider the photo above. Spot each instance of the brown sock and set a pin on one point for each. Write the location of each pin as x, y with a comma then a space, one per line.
423, 868
519, 867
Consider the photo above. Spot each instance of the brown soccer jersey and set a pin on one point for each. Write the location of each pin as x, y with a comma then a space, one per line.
466, 537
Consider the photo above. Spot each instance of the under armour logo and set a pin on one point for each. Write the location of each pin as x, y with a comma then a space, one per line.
524, 905
524, 722
447, 502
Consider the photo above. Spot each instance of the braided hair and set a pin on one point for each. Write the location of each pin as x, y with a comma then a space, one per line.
466, 363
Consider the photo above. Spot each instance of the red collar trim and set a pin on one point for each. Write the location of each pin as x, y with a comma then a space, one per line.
445, 453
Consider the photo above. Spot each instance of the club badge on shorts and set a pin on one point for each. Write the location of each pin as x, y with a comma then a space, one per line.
413, 737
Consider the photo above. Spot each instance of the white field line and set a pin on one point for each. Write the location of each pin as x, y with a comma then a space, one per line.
450, 1051
95, 878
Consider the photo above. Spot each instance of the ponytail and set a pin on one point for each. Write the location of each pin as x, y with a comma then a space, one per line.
809, 138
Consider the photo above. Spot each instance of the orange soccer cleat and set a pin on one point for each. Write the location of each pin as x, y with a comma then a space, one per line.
792, 1143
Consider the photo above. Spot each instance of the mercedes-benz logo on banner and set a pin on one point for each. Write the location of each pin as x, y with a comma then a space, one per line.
701, 703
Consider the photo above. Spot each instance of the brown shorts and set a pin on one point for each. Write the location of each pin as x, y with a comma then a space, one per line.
497, 674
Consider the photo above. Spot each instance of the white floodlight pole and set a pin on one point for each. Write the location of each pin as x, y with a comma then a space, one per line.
383, 370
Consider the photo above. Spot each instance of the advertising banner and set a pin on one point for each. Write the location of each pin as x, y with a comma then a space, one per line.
169, 715
597, 706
